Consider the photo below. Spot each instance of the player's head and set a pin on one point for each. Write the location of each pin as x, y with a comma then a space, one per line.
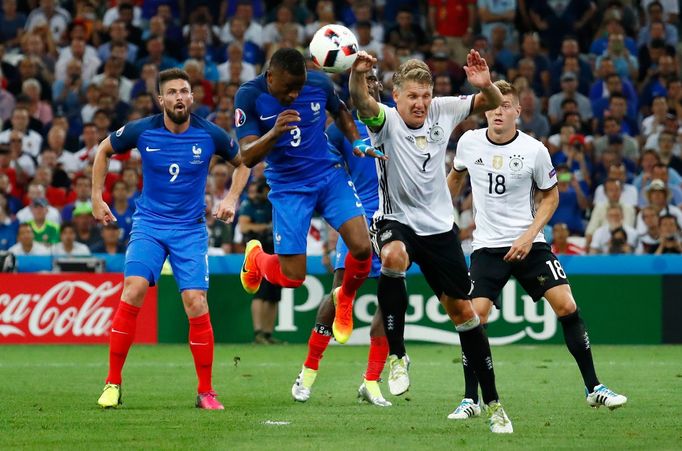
502, 119
413, 91
374, 85
175, 94
286, 75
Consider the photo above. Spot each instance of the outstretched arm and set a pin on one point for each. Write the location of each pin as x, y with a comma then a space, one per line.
366, 105
456, 181
478, 75
100, 210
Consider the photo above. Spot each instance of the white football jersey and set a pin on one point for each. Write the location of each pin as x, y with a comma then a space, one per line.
412, 182
504, 179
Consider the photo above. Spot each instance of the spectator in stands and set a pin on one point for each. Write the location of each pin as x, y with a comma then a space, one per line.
617, 171
572, 154
220, 234
613, 190
557, 20
118, 34
572, 202
113, 68
654, 123
197, 50
235, 55
131, 177
647, 163
37, 191
59, 178
221, 174
624, 59
129, 15
25, 244
655, 24
68, 93
32, 141
6, 189
122, 209
666, 143
658, 197
605, 85
11, 24
560, 243
253, 31
407, 31
78, 50
48, 13
612, 130
156, 56
23, 164
111, 241
68, 246
103, 123
570, 48
569, 90
38, 108
8, 226
442, 85
324, 15
494, 14
531, 120
272, 32
84, 224
612, 26
82, 188
657, 79
671, 125
670, 242
56, 139
649, 241
526, 67
44, 231
614, 235
618, 109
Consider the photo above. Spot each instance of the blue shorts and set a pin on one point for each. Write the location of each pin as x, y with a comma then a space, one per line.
186, 249
342, 251
332, 196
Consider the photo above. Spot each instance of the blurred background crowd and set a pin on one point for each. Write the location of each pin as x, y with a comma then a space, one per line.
599, 84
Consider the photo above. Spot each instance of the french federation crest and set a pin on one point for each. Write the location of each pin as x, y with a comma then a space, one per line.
498, 161
421, 142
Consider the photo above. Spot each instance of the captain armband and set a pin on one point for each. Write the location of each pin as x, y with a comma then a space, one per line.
376, 121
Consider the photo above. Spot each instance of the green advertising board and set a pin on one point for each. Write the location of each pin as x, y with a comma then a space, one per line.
613, 307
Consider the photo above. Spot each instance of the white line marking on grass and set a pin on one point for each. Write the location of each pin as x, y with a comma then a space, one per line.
276, 423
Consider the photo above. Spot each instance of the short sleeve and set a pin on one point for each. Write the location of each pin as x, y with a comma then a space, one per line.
245, 115
125, 138
458, 107
225, 146
458, 163
544, 173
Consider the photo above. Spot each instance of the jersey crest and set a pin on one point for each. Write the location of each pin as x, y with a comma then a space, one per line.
498, 161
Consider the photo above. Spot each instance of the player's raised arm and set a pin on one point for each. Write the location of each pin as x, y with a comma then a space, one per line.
228, 206
369, 111
478, 75
100, 210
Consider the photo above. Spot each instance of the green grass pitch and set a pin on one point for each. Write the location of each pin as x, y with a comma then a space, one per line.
48, 400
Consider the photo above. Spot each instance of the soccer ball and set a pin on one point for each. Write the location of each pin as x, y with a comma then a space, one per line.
334, 48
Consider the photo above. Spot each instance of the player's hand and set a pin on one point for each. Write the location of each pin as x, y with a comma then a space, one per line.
477, 70
364, 62
226, 210
286, 121
361, 148
101, 212
520, 249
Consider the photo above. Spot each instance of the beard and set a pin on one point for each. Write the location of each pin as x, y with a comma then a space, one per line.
179, 117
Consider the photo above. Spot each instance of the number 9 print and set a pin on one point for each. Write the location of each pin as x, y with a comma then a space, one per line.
173, 170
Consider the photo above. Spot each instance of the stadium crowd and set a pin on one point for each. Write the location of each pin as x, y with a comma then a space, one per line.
600, 84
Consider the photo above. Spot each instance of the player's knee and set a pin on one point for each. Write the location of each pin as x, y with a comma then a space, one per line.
133, 293
195, 303
565, 308
394, 256
361, 251
294, 276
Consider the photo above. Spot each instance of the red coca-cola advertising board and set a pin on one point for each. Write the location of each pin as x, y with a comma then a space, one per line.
67, 308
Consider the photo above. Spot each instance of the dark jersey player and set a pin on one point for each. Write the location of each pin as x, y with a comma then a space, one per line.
280, 116
176, 148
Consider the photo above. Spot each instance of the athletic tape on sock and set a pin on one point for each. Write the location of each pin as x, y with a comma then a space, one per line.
468, 325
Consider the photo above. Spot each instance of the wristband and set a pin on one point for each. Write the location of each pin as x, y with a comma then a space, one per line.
362, 147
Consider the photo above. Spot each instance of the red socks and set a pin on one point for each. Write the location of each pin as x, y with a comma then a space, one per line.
201, 344
316, 345
355, 274
120, 339
378, 352
269, 266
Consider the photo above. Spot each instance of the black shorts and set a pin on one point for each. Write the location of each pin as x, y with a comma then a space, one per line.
439, 256
536, 273
268, 292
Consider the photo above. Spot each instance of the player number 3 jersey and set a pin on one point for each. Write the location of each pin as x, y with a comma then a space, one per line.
504, 179
412, 185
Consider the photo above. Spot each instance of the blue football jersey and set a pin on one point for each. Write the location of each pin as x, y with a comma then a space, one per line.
302, 155
174, 167
362, 171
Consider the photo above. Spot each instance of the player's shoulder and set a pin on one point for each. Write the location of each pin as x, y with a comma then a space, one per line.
141, 125
317, 78
253, 88
529, 143
472, 136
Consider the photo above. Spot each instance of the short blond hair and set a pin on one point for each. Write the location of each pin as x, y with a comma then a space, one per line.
507, 88
412, 70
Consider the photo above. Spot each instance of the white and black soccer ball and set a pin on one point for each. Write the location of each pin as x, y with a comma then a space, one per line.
334, 48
